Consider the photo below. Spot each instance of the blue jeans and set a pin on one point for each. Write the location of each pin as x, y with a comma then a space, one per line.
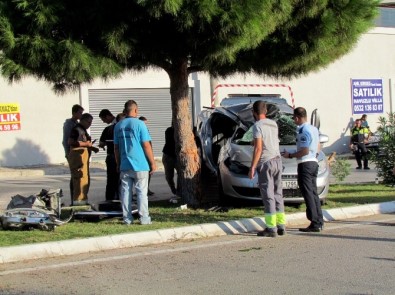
138, 180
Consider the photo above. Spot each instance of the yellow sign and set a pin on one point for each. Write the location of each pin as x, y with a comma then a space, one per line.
10, 117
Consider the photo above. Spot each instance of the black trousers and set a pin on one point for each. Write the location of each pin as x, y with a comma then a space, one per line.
307, 181
361, 153
112, 187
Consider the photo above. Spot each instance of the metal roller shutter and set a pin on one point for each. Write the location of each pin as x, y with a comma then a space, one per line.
154, 104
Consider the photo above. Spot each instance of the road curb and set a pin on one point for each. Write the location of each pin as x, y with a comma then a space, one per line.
222, 228
21, 173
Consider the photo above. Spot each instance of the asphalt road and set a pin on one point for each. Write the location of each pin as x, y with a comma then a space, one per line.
27, 186
350, 257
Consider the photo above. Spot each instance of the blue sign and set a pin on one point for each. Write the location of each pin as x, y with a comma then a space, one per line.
367, 96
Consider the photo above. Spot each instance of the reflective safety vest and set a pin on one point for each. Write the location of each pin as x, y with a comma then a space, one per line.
358, 134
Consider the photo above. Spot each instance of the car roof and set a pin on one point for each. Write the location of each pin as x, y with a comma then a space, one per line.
233, 99
243, 110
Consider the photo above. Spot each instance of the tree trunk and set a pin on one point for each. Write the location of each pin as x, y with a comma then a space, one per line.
186, 149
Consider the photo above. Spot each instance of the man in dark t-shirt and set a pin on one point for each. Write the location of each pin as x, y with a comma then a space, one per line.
81, 147
169, 159
107, 141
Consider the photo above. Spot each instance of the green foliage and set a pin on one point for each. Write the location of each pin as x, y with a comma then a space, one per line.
384, 157
340, 169
341, 195
71, 42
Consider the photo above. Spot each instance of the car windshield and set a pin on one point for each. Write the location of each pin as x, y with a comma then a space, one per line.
286, 128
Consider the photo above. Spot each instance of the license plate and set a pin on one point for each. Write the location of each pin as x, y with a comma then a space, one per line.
290, 184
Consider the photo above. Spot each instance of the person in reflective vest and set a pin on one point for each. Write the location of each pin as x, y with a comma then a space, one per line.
359, 137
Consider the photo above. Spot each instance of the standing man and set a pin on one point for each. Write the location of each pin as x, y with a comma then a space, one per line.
169, 159
135, 161
364, 122
150, 193
266, 161
360, 136
68, 125
81, 148
107, 140
308, 146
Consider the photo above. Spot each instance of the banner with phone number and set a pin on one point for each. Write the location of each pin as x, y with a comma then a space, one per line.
367, 96
10, 117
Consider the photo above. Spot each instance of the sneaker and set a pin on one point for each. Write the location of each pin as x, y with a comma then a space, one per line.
281, 231
359, 167
366, 168
267, 233
145, 220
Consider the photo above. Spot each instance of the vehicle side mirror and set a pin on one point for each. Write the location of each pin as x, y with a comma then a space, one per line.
315, 119
324, 138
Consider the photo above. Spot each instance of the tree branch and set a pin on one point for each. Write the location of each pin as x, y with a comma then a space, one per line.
193, 69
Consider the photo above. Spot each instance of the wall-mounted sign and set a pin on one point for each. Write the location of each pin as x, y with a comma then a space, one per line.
367, 96
10, 117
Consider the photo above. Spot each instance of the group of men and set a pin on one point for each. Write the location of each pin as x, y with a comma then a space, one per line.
78, 147
130, 159
267, 163
130, 162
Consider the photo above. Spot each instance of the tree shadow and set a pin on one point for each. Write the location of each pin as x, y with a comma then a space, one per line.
24, 153
362, 199
341, 145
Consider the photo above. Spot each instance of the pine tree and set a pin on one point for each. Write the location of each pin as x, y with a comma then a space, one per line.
69, 42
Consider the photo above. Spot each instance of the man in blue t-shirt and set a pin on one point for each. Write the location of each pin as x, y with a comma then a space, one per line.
135, 161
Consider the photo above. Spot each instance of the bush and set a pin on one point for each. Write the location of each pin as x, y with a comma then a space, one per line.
384, 157
340, 169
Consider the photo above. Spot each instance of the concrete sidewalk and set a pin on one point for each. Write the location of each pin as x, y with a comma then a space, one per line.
78, 246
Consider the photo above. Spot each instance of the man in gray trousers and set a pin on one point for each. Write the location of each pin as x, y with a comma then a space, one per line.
266, 161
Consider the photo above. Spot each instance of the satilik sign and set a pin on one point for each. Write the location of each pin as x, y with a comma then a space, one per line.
367, 96
10, 117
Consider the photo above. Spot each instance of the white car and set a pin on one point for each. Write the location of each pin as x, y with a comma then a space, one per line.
225, 135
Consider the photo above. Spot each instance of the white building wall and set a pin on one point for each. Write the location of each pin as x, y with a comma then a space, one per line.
39, 141
329, 90
43, 112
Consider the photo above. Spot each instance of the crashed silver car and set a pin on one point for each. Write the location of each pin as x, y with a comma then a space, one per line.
225, 135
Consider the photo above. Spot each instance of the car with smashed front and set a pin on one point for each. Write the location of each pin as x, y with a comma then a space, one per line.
226, 144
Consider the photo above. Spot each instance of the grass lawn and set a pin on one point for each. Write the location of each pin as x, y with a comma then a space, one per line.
166, 215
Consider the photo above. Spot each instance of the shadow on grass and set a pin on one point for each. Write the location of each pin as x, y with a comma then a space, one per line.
360, 188
358, 191
369, 199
